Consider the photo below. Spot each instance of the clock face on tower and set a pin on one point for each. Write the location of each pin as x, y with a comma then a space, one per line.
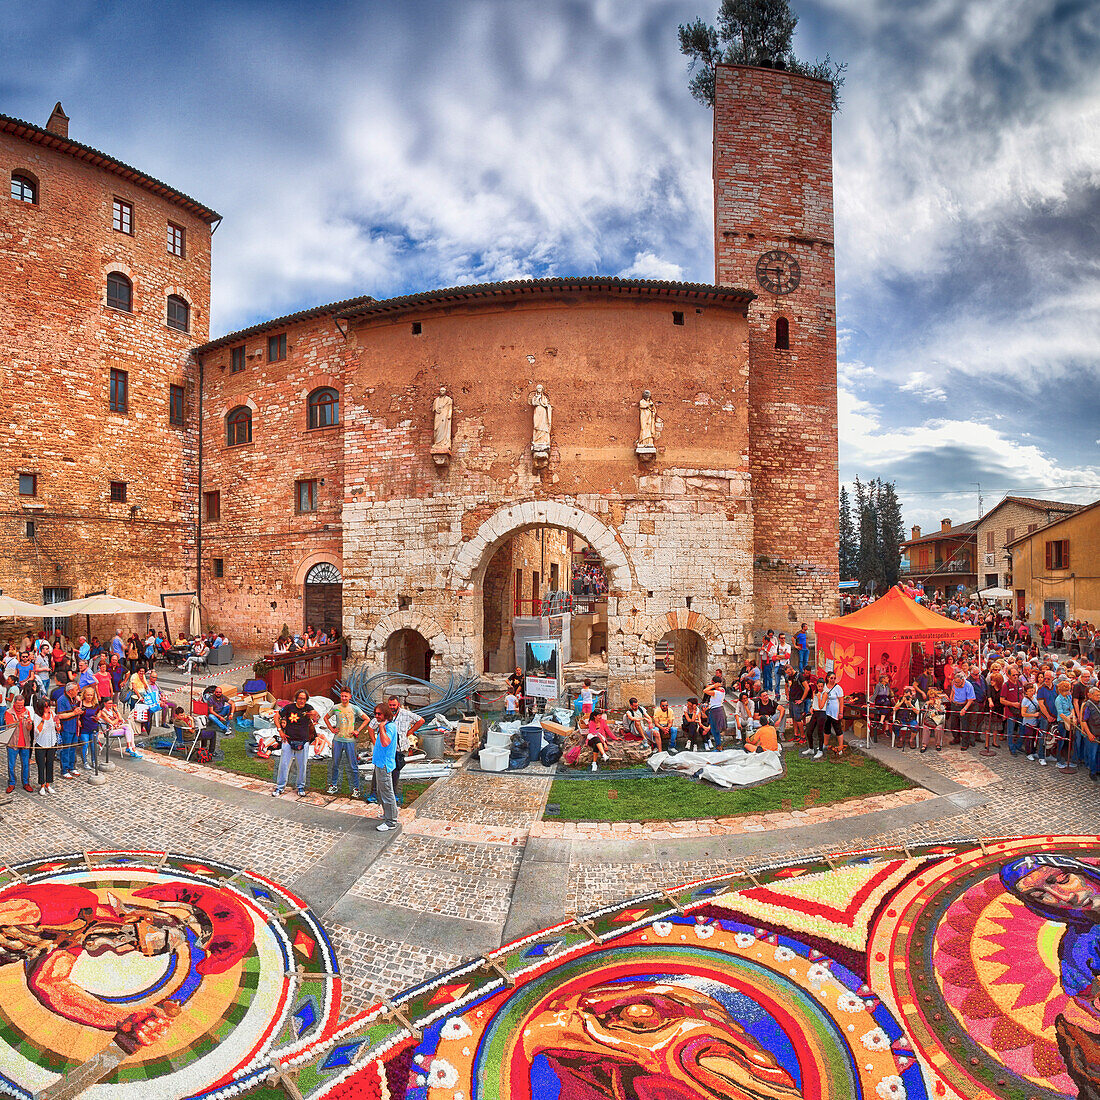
778, 272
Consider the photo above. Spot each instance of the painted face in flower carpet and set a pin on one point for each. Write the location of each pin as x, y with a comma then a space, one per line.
1060, 888
652, 1041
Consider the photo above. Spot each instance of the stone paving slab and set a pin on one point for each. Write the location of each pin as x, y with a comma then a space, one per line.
472, 881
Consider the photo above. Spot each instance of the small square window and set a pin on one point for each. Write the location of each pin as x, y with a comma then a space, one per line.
417, 328
276, 348
122, 217
236, 360
175, 406
120, 390
118, 492
176, 240
213, 505
305, 495
677, 317
28, 485
30, 529
219, 567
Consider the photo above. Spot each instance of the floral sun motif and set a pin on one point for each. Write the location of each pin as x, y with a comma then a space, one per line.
846, 662
849, 1002
661, 927
891, 1088
442, 1074
818, 973
784, 955
875, 1039
744, 939
455, 1028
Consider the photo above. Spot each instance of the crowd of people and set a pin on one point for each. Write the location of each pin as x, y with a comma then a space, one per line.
310, 638
589, 579
61, 702
1042, 704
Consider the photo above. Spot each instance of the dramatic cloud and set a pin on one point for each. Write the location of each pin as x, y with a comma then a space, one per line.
398, 145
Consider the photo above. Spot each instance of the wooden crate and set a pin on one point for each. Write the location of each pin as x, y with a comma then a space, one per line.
468, 734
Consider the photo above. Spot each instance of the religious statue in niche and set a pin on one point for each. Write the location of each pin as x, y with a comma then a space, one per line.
442, 411
540, 433
650, 427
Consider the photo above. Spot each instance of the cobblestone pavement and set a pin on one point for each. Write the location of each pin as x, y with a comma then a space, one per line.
138, 811
487, 798
452, 878
374, 967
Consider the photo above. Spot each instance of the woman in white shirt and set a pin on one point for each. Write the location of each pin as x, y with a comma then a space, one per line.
46, 730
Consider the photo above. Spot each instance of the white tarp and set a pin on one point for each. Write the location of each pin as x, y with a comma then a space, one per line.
729, 768
995, 594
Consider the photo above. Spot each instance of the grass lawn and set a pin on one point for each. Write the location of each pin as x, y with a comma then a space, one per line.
673, 798
239, 760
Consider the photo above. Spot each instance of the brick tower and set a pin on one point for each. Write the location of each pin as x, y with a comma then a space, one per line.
773, 204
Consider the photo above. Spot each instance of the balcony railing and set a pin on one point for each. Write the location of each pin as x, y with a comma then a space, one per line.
962, 566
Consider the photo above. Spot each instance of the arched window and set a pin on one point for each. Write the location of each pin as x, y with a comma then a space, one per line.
324, 573
120, 292
324, 408
782, 334
179, 313
23, 188
238, 426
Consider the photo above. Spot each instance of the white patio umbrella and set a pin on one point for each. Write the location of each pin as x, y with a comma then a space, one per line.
995, 594
104, 605
20, 609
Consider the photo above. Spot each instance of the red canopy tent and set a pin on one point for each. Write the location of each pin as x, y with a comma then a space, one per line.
882, 634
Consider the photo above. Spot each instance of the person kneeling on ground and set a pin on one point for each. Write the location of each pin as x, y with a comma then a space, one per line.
598, 735
763, 739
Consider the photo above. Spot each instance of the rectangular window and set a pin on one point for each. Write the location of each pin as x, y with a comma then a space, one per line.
989, 542
213, 505
1032, 527
118, 492
219, 567
30, 529
176, 238
305, 495
1010, 534
276, 348
56, 595
28, 485
1058, 554
553, 576
236, 360
123, 217
120, 390
175, 406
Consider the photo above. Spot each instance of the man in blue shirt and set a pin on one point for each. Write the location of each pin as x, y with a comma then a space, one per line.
87, 676
960, 705
1047, 698
69, 711
118, 648
85, 651
801, 643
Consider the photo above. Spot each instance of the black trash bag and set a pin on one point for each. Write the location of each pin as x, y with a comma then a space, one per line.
550, 754
519, 758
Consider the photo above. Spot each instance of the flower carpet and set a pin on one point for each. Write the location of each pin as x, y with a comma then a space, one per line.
959, 970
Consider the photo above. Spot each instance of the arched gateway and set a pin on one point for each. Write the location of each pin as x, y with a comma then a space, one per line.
454, 624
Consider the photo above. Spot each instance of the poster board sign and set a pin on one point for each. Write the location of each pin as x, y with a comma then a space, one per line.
542, 671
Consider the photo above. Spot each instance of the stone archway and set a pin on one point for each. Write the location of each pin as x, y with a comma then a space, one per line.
503, 523
422, 624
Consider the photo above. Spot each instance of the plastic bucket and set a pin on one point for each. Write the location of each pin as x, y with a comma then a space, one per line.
533, 736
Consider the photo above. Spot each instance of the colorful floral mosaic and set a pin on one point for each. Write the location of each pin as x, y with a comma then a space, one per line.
959, 970
950, 970
132, 975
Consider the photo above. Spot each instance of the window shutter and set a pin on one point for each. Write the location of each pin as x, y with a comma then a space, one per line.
1050, 554
1065, 553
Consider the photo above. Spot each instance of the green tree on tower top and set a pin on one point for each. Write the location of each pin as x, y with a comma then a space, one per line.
750, 32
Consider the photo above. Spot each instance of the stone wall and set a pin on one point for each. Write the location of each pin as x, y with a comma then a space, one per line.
58, 343
773, 190
1011, 519
419, 539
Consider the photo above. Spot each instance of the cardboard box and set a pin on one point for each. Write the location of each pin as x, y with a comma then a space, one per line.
240, 705
262, 700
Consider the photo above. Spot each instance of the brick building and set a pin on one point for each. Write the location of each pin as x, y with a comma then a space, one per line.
1006, 521
942, 560
308, 486
104, 291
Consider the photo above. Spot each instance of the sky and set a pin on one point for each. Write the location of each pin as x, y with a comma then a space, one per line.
400, 145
